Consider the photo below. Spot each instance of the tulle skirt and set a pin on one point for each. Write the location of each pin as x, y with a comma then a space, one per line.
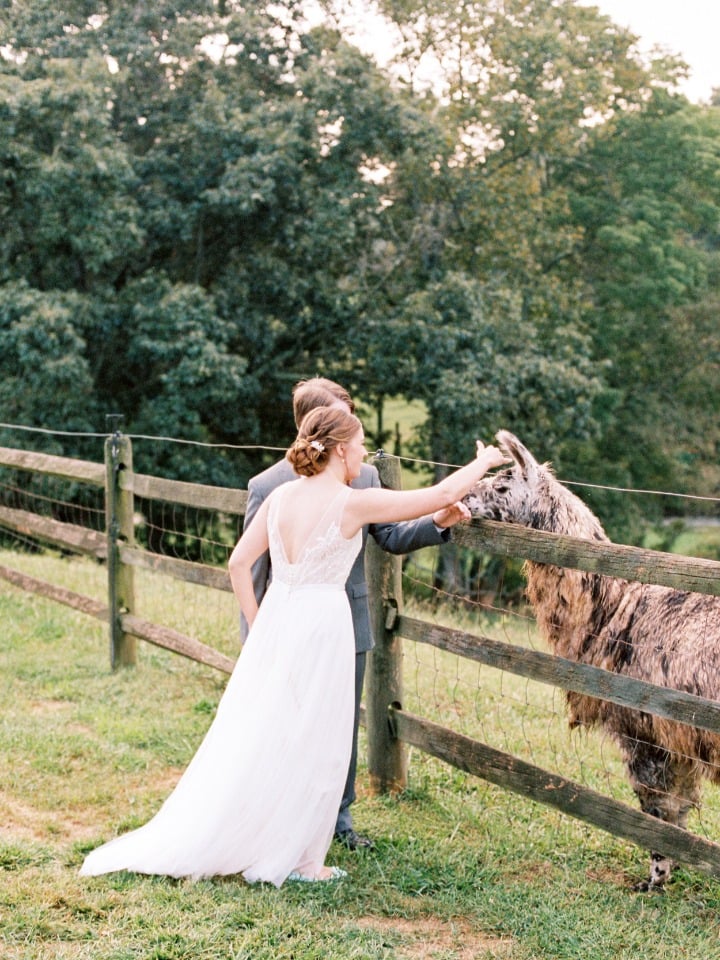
261, 795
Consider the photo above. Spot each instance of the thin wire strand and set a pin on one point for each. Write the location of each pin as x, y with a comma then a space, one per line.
56, 433
200, 443
139, 436
379, 453
567, 483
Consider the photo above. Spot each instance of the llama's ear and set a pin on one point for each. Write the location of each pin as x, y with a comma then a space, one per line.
510, 445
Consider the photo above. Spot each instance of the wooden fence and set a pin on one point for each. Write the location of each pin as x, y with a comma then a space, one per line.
390, 729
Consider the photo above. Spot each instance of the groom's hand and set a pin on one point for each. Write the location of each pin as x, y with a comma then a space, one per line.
449, 516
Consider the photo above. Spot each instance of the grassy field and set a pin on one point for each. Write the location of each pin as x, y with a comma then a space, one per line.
403, 418
461, 869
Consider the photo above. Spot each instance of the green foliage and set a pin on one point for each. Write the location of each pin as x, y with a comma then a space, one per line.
557, 184
68, 198
650, 258
203, 203
45, 376
194, 200
467, 352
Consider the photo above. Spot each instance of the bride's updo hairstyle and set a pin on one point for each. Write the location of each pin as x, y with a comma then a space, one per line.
320, 432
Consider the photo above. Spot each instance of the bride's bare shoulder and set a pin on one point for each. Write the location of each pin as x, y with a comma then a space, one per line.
307, 492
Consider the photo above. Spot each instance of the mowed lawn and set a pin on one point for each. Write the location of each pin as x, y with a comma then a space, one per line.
461, 869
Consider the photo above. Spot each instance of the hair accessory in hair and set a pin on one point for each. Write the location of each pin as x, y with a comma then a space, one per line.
316, 445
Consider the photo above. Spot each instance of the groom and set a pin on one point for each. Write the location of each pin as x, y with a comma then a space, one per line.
394, 537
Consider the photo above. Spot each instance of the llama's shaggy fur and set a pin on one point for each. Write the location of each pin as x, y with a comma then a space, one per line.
664, 636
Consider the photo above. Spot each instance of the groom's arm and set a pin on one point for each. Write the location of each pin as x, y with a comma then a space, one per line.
261, 567
407, 535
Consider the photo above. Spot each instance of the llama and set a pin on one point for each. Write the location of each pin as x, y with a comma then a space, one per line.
663, 636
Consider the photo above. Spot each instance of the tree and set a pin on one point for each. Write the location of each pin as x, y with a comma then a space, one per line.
218, 200
206, 200
649, 218
466, 351
566, 173
481, 202
45, 376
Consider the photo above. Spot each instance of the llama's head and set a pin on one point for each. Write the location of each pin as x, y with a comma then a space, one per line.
511, 494
528, 493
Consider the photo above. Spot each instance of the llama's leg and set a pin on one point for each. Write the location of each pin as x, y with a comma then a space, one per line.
667, 788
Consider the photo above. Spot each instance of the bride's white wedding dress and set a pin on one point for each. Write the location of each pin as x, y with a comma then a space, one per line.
261, 795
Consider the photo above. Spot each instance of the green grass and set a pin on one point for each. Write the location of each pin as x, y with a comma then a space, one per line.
400, 418
461, 870
687, 539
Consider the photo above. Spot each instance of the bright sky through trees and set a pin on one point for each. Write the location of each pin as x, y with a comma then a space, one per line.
690, 28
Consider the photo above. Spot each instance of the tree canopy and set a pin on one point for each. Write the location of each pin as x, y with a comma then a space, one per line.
203, 203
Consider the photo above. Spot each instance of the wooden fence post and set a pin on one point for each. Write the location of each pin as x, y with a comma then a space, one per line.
119, 510
387, 755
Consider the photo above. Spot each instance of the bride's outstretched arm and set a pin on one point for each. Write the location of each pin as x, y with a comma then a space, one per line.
374, 505
252, 544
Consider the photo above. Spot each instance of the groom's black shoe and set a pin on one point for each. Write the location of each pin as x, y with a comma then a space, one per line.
354, 841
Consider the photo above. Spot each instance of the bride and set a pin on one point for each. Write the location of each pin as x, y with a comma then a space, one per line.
260, 796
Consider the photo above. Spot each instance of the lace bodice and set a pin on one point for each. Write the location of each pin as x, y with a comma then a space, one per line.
326, 558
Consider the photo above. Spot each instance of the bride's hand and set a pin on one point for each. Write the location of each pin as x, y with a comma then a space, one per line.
490, 455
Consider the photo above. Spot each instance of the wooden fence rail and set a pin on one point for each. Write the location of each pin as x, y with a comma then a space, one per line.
390, 729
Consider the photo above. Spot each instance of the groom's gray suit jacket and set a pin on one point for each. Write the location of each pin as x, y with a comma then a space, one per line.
393, 537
